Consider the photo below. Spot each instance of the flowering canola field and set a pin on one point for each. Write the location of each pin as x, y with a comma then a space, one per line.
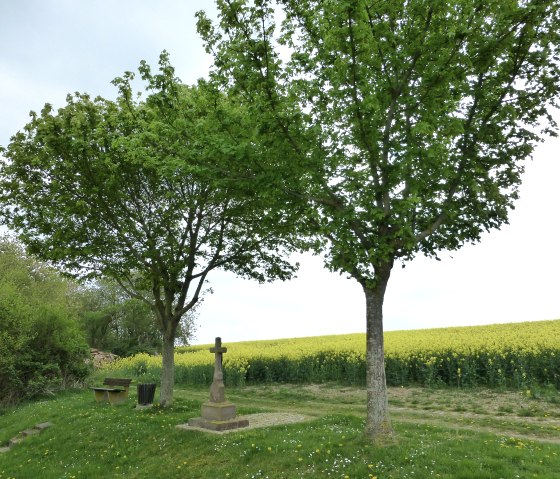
501, 355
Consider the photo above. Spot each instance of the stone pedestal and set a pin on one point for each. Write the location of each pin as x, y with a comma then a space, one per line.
223, 411
218, 417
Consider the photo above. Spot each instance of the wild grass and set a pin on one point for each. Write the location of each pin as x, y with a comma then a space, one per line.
90, 440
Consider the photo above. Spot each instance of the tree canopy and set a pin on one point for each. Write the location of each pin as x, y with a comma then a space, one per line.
413, 118
154, 193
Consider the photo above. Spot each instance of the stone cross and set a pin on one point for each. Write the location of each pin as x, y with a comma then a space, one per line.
217, 390
217, 414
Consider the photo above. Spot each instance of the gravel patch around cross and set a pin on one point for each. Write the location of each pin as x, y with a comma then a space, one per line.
257, 420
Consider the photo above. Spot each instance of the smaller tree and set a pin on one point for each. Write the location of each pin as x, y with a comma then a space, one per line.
152, 193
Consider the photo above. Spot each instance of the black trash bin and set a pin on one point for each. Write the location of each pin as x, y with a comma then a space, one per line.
146, 394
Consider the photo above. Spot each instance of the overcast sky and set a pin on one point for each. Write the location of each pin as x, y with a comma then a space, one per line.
49, 48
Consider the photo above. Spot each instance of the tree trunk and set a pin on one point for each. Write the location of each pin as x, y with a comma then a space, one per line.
378, 423
167, 371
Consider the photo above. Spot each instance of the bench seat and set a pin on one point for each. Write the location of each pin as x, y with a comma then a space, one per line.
114, 395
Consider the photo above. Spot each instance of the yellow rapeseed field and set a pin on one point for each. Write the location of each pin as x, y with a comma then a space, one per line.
500, 355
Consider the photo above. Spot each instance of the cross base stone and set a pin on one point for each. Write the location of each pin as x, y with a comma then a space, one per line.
222, 411
218, 425
218, 417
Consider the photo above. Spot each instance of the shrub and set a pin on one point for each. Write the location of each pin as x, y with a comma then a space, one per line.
41, 347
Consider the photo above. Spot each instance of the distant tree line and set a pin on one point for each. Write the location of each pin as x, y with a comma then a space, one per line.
113, 322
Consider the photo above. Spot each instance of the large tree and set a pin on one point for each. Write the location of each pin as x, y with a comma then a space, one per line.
413, 118
154, 193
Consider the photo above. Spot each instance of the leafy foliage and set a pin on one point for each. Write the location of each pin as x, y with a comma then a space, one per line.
412, 118
152, 193
418, 114
41, 345
114, 322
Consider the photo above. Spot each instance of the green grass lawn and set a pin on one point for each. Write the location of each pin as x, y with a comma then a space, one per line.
440, 433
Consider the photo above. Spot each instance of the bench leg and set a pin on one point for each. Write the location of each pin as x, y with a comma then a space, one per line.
101, 396
118, 397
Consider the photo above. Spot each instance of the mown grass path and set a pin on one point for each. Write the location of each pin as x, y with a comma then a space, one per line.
516, 414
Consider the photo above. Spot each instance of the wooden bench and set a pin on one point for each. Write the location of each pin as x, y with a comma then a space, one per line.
116, 394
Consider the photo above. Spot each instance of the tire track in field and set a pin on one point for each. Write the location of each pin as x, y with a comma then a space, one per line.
328, 402
477, 428
443, 419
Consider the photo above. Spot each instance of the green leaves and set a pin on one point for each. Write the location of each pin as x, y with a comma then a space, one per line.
412, 118
41, 348
165, 189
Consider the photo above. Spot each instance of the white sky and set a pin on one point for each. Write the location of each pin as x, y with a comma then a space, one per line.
49, 48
